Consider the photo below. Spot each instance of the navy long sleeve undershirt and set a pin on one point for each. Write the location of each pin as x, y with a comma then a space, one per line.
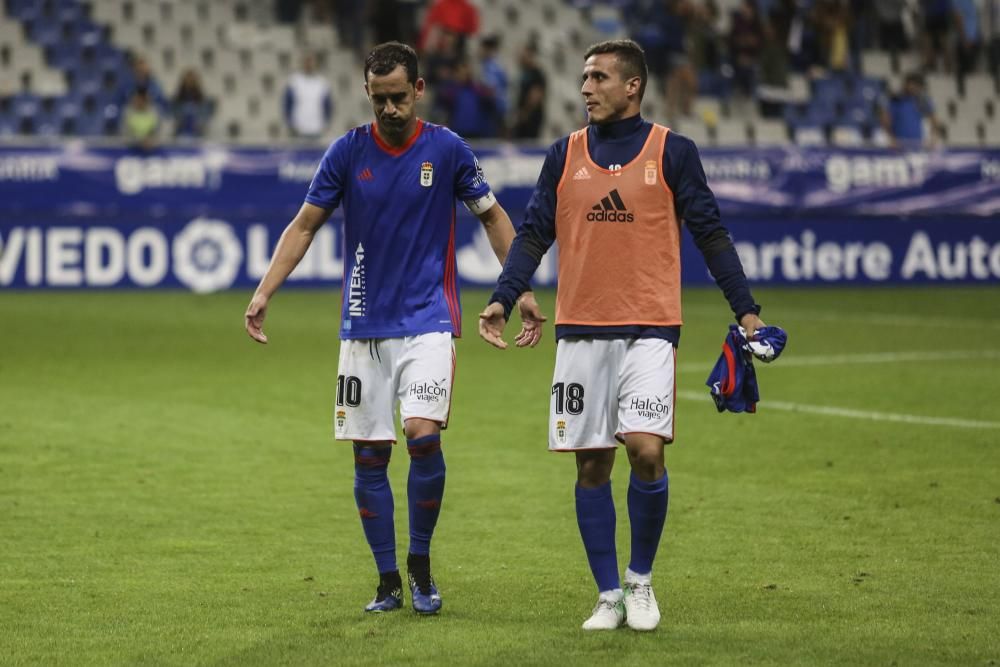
619, 143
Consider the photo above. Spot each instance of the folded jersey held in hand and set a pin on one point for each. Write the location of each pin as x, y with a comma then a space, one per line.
733, 381
766, 343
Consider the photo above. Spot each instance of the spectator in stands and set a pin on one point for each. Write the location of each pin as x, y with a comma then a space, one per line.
530, 113
833, 22
991, 35
704, 37
682, 79
141, 79
904, 114
937, 20
192, 110
891, 29
969, 37
141, 120
470, 106
382, 20
493, 77
440, 61
772, 85
746, 38
440, 64
408, 19
660, 27
349, 19
457, 16
287, 11
308, 105
392, 20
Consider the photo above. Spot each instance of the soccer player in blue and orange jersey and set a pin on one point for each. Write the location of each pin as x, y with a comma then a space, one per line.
614, 194
397, 180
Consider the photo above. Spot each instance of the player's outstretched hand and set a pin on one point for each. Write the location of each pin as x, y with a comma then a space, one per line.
491, 324
254, 317
531, 321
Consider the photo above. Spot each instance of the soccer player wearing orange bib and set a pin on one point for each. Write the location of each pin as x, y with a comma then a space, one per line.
614, 194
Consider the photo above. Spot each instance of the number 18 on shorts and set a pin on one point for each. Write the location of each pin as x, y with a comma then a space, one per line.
603, 389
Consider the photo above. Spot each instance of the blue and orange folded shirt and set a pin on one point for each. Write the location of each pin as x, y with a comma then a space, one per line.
733, 381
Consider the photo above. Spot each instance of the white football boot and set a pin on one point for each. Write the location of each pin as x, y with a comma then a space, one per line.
640, 603
608, 614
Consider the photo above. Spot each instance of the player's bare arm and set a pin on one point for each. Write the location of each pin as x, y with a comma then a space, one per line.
292, 246
500, 232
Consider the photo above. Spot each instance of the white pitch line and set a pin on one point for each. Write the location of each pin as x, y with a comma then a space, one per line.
855, 414
892, 320
867, 358
899, 320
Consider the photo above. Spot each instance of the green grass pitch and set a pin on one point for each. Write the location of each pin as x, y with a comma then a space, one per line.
170, 493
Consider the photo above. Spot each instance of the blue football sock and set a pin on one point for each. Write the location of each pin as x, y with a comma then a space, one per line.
595, 514
647, 511
424, 490
375, 505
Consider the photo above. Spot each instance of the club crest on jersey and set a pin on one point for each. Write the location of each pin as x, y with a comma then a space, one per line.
341, 419
426, 174
561, 432
650, 172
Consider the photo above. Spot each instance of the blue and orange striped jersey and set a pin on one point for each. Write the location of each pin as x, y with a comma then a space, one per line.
399, 227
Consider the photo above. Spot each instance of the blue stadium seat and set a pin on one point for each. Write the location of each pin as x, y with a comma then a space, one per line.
793, 113
85, 80
90, 125
829, 91
859, 113
74, 27
24, 10
867, 89
817, 113
69, 105
25, 105
63, 55
94, 36
111, 115
71, 13
44, 32
7, 126
848, 134
805, 133
47, 125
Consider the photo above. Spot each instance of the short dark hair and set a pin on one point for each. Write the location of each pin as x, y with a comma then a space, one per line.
630, 55
388, 56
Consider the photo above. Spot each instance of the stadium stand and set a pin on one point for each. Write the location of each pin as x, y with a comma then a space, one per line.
65, 63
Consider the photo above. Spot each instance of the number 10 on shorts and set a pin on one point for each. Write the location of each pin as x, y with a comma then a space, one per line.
348, 390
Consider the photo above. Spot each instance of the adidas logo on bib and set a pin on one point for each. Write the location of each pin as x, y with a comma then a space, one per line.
610, 209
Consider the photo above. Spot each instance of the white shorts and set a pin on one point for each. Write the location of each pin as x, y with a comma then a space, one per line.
374, 374
604, 389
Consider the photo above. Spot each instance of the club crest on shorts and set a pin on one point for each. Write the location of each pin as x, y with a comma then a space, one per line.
561, 432
650, 172
341, 419
426, 174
